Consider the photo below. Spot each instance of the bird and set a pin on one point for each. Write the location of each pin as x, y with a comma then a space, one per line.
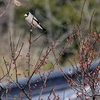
32, 21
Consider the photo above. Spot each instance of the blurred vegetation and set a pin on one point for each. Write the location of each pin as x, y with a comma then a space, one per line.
53, 13
57, 16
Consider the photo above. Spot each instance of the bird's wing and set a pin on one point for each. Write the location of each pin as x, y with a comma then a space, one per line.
35, 19
37, 23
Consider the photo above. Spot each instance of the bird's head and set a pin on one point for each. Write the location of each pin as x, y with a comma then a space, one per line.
26, 14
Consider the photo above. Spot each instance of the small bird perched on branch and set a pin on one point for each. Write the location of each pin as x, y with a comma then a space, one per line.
32, 21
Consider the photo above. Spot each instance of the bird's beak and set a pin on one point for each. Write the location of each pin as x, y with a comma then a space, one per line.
25, 15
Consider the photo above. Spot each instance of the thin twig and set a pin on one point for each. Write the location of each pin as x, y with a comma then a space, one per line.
44, 84
82, 11
29, 56
90, 25
9, 2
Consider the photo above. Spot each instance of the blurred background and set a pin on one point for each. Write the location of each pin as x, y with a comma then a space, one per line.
54, 15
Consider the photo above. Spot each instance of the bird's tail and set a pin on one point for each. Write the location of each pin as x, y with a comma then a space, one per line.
44, 29
40, 26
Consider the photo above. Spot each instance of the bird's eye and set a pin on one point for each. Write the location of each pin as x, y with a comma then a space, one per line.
27, 13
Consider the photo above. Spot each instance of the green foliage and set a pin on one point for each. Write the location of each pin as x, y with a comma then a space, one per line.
1, 3
19, 14
52, 13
